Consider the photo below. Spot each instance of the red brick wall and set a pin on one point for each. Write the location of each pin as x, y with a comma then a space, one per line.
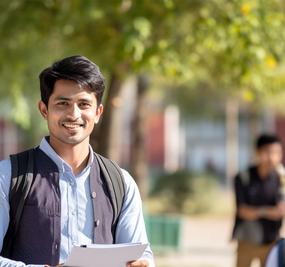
155, 140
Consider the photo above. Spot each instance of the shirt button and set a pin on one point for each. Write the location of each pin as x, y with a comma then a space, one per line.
93, 194
97, 222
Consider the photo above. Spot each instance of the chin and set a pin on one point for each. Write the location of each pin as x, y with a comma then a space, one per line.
73, 141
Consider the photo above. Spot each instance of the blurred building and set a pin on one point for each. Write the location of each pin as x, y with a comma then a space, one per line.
197, 144
200, 145
203, 142
9, 139
206, 146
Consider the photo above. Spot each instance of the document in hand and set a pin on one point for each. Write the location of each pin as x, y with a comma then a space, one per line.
97, 255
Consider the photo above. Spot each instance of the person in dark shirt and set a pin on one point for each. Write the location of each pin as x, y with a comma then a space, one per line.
259, 203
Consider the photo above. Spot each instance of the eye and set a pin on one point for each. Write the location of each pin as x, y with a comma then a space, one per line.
62, 103
84, 105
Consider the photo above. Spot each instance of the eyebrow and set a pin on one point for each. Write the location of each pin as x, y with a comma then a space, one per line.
60, 98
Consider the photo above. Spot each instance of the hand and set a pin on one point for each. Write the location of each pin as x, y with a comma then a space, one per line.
59, 265
281, 208
248, 213
138, 263
275, 212
272, 214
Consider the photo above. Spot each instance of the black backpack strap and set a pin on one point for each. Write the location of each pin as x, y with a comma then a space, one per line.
22, 166
280, 252
115, 183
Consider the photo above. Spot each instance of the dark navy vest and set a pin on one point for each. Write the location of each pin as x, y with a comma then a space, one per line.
38, 237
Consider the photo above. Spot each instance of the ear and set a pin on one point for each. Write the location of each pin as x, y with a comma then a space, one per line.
99, 112
43, 109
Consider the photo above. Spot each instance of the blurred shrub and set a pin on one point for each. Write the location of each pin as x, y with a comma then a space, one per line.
186, 193
175, 188
204, 195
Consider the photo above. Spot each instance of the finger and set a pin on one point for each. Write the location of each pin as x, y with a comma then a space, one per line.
139, 263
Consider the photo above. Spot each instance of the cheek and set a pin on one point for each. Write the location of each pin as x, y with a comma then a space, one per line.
53, 119
262, 157
92, 117
51, 124
277, 158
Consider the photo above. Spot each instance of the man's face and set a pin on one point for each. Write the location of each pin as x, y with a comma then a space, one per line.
270, 156
71, 113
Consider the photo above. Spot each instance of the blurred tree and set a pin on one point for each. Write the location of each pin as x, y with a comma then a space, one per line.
122, 36
234, 50
138, 159
233, 46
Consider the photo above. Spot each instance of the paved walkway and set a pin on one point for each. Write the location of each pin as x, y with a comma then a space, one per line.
205, 243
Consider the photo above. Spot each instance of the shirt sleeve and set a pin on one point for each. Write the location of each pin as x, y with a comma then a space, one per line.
5, 174
131, 226
272, 259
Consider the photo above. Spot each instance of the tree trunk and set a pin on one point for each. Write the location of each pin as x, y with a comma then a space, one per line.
138, 166
232, 137
100, 138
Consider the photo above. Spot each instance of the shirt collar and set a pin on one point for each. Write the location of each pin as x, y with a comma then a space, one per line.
61, 164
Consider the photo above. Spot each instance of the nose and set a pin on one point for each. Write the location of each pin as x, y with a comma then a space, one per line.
74, 112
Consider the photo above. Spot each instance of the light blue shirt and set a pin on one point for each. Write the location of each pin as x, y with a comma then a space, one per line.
272, 258
76, 208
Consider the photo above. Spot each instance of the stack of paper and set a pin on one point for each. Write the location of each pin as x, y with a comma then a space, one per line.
97, 255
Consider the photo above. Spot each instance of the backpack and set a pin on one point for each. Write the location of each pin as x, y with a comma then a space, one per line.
22, 167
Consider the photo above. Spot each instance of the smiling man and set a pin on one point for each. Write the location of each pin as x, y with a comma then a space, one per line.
61, 193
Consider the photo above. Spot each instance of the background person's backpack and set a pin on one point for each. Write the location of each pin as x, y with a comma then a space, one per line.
22, 168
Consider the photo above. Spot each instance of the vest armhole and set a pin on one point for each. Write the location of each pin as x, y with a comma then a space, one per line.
115, 182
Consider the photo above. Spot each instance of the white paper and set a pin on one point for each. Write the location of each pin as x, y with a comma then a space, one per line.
97, 255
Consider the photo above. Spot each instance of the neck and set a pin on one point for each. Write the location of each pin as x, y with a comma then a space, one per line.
263, 171
76, 155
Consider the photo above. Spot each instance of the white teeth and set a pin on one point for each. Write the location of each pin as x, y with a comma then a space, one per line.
71, 125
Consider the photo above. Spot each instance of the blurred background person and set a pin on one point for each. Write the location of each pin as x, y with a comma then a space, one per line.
259, 203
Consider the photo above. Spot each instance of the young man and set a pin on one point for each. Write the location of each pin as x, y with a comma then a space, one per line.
260, 204
69, 202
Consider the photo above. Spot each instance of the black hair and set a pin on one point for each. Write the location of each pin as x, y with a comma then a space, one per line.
266, 139
76, 68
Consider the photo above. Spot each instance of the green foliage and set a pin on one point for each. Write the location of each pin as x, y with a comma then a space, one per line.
230, 49
121, 36
238, 42
176, 187
232, 46
205, 197
186, 193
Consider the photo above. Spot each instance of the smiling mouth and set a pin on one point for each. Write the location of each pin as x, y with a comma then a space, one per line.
70, 125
